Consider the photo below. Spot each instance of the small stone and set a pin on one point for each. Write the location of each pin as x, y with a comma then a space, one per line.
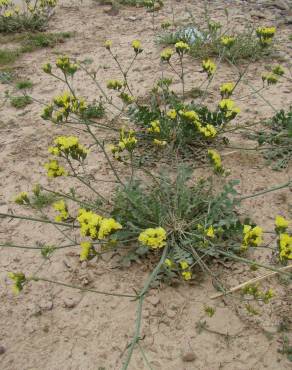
170, 313
154, 300
188, 357
70, 302
46, 305
132, 18
2, 350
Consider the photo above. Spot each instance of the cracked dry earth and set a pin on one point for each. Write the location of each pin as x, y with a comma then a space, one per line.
51, 327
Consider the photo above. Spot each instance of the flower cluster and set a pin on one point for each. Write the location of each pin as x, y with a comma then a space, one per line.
273, 77
96, 226
186, 273
22, 198
65, 65
108, 44
114, 85
215, 160
127, 142
153, 237
166, 54
62, 209
18, 279
226, 89
207, 231
227, 106
182, 47
284, 239
64, 105
265, 35
227, 41
68, 146
86, 250
255, 291
252, 237
209, 67
54, 169
207, 130
154, 127
136, 45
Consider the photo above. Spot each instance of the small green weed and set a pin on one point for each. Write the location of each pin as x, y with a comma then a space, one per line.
8, 56
24, 84
20, 101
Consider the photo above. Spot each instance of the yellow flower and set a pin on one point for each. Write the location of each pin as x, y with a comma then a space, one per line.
114, 85
210, 232
228, 107
108, 44
209, 67
153, 237
285, 246
281, 224
65, 65
227, 88
62, 208
54, 169
207, 131
271, 78
189, 115
86, 248
127, 140
108, 226
187, 275
136, 45
154, 126
168, 262
171, 114
215, 160
89, 223
19, 279
252, 236
159, 142
182, 47
68, 146
184, 265
166, 54
227, 41
278, 70
22, 198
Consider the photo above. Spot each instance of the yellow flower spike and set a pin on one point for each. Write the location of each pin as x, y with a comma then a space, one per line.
271, 78
22, 198
108, 44
184, 265
215, 160
19, 279
114, 85
107, 227
153, 237
189, 115
89, 223
278, 70
136, 45
182, 47
252, 236
154, 127
210, 232
47, 68
285, 247
228, 107
166, 54
62, 208
281, 224
168, 262
209, 67
171, 114
187, 275
227, 41
159, 142
54, 169
226, 89
86, 248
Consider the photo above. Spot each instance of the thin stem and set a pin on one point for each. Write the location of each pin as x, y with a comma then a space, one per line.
37, 278
287, 184
4, 215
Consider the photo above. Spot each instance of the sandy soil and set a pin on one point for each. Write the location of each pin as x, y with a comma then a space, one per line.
51, 327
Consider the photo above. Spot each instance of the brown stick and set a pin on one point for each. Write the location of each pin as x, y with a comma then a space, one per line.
251, 281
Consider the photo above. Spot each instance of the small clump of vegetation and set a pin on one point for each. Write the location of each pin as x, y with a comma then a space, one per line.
20, 102
29, 16
24, 84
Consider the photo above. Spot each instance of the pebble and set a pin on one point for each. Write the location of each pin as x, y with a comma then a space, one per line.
154, 300
188, 357
70, 302
2, 350
170, 313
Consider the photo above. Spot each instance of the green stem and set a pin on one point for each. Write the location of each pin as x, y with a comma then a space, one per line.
37, 278
38, 220
287, 184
